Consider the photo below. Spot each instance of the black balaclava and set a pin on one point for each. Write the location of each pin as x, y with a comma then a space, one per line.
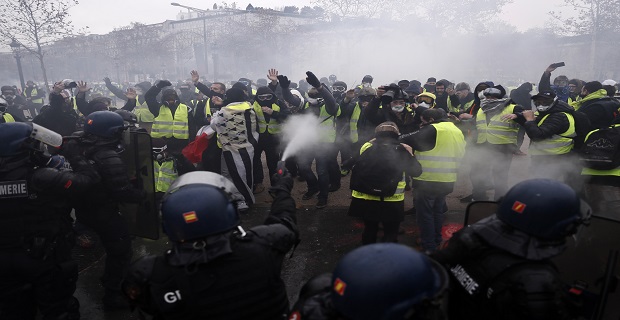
265, 103
235, 95
167, 94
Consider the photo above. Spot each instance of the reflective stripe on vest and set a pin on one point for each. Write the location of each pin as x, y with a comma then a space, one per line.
497, 131
34, 93
8, 117
328, 124
558, 143
355, 117
593, 172
273, 127
399, 195
441, 163
164, 126
164, 174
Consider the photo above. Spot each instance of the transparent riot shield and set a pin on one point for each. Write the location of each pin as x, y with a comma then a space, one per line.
590, 267
143, 217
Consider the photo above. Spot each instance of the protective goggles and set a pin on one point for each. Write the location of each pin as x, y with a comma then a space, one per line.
339, 88
245, 83
159, 150
265, 97
428, 100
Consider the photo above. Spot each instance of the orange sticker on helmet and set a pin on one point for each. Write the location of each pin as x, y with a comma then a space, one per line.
339, 286
190, 217
518, 207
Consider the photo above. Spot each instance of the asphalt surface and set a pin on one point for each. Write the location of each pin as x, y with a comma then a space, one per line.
326, 235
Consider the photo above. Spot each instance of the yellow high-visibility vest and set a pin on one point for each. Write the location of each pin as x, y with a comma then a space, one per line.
273, 127
498, 130
165, 174
8, 117
165, 126
441, 163
327, 125
558, 143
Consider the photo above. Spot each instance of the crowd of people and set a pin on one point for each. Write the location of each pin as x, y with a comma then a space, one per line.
207, 145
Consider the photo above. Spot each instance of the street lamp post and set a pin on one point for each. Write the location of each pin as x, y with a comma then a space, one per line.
15, 47
204, 30
118, 76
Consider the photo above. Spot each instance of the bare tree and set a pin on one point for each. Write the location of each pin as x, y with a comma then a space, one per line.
598, 19
356, 8
35, 24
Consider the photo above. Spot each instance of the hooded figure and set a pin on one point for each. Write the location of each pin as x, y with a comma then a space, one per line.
237, 134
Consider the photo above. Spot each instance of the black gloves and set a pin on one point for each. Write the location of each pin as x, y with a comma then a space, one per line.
107, 80
284, 81
71, 149
163, 83
313, 80
281, 182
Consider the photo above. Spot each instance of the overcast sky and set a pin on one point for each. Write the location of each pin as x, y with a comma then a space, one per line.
103, 16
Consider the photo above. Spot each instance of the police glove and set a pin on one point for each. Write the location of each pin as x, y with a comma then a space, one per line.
71, 149
313, 80
285, 83
281, 182
163, 83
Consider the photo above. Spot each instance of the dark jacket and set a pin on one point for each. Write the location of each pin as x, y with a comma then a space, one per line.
234, 277
601, 112
522, 96
378, 114
57, 117
556, 123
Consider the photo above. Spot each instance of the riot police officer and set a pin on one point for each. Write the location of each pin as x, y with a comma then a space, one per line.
378, 281
215, 269
101, 144
36, 268
500, 267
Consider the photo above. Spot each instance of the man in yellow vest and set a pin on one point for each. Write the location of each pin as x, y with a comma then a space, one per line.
137, 105
360, 129
34, 96
166, 167
322, 104
439, 146
552, 135
171, 116
270, 114
6, 116
497, 131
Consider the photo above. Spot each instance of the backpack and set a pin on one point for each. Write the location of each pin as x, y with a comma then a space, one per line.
379, 169
601, 148
582, 128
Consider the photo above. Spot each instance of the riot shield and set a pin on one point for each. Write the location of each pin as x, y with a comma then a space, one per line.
479, 210
590, 266
143, 217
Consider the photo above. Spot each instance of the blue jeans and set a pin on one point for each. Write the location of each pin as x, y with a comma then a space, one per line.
430, 209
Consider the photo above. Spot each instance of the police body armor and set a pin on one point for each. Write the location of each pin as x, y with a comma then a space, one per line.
494, 282
243, 284
143, 217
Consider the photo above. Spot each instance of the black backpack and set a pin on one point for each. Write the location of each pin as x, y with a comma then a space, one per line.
601, 148
379, 169
582, 128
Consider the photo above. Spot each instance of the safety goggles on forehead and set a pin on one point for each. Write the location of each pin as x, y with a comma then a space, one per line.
245, 83
339, 88
428, 100
265, 97
159, 150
